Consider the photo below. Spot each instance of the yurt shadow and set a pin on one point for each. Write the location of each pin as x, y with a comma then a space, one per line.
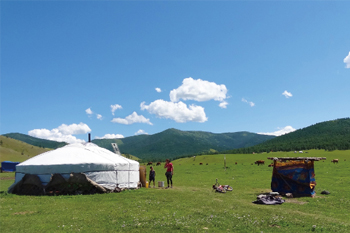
77, 183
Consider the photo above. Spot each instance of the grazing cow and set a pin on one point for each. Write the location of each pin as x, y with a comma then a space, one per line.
335, 161
158, 163
260, 162
200, 163
236, 163
270, 165
149, 163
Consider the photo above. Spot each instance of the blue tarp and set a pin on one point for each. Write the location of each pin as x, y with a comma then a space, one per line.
296, 177
8, 166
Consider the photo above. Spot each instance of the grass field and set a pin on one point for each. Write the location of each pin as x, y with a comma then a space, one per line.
192, 206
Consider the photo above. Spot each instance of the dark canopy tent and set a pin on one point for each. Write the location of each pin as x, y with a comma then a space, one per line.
294, 175
8, 166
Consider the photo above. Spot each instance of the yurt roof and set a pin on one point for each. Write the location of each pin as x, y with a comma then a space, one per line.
78, 158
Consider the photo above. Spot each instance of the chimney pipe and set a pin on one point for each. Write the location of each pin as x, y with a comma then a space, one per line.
89, 137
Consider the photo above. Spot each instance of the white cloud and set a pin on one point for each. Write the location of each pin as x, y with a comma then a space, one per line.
158, 89
131, 119
250, 103
287, 94
80, 128
140, 131
198, 90
115, 107
347, 61
89, 111
110, 136
178, 112
63, 133
285, 130
223, 104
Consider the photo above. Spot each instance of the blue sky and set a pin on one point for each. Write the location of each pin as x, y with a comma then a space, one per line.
119, 68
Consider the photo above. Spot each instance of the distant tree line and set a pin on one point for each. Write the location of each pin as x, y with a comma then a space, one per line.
330, 135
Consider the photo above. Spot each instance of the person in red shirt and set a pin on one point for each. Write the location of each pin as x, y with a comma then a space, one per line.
169, 172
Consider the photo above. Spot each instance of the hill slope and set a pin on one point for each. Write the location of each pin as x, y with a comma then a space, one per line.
35, 141
17, 151
173, 143
329, 135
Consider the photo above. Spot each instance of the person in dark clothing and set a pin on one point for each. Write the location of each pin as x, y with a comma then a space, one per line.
152, 176
169, 172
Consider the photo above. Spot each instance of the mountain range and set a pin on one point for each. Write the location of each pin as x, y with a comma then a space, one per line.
173, 143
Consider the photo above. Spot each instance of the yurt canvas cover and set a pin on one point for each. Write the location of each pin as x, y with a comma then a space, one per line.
294, 176
102, 166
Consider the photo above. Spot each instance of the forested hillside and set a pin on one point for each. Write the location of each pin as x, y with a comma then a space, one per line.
35, 141
329, 135
173, 143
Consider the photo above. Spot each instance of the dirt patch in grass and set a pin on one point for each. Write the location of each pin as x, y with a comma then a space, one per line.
295, 201
7, 178
261, 191
215, 199
23, 213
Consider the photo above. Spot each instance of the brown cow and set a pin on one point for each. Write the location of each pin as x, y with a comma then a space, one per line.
270, 165
236, 163
200, 163
335, 161
149, 163
260, 162
158, 163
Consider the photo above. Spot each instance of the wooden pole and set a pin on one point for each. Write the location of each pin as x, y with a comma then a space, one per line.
225, 161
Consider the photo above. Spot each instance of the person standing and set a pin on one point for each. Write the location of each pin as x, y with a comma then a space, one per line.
152, 176
169, 172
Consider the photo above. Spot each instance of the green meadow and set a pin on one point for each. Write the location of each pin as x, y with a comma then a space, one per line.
192, 205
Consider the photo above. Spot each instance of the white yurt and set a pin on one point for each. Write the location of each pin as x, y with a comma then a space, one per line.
108, 169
